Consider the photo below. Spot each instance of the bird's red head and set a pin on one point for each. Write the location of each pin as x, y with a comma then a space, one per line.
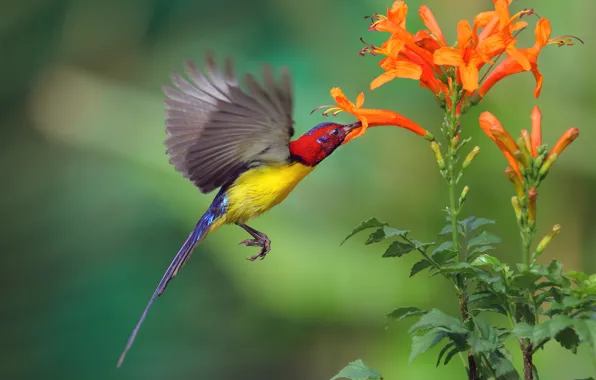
318, 143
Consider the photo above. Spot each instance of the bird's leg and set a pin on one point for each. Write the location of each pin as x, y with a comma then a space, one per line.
260, 240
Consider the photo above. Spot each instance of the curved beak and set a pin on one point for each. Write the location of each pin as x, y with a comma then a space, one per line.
350, 127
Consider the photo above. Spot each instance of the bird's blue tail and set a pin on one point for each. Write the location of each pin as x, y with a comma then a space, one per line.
216, 209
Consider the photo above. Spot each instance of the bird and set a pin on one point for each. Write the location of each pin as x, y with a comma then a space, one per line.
220, 135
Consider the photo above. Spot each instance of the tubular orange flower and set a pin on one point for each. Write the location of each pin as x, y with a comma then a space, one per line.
489, 124
428, 18
465, 57
512, 66
532, 196
372, 117
396, 68
536, 137
564, 141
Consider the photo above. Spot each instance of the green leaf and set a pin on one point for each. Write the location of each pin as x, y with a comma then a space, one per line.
452, 353
398, 249
483, 239
385, 233
577, 276
486, 260
523, 330
443, 351
586, 330
370, 223
504, 368
436, 318
478, 222
404, 312
478, 250
487, 338
568, 339
550, 328
555, 274
419, 266
357, 370
422, 343
448, 228
422, 246
525, 280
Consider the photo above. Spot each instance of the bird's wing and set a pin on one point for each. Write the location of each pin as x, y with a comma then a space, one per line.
216, 129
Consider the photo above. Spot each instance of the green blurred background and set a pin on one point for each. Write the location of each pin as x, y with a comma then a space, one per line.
93, 213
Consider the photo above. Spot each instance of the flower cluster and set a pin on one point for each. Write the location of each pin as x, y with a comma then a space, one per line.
529, 160
451, 73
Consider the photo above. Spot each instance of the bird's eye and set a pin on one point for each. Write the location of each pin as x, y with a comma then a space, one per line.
335, 132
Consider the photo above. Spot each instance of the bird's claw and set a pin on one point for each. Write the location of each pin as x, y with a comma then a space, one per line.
263, 242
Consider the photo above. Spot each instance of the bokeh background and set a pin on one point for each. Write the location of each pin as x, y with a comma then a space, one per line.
92, 212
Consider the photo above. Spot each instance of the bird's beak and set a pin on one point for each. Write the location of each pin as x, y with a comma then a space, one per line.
350, 127
350, 130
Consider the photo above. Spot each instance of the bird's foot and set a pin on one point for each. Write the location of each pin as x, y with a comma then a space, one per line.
261, 241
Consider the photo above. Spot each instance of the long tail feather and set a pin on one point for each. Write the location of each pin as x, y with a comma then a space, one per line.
180, 259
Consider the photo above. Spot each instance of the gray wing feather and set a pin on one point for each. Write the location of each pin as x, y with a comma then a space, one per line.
215, 129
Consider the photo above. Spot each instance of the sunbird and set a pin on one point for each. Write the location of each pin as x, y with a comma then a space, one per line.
221, 136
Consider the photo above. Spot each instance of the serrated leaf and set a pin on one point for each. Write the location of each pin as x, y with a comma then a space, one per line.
419, 266
422, 343
577, 276
444, 246
385, 233
523, 330
504, 368
478, 250
436, 318
568, 339
448, 229
525, 280
555, 274
420, 245
483, 239
443, 351
404, 312
586, 330
370, 223
451, 354
478, 222
550, 328
486, 260
487, 338
357, 370
398, 249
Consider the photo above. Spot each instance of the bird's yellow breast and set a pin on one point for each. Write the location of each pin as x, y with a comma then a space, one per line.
259, 189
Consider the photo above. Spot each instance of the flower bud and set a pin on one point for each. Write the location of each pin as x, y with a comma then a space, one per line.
525, 143
547, 239
470, 157
532, 196
517, 184
516, 209
438, 155
464, 195
536, 130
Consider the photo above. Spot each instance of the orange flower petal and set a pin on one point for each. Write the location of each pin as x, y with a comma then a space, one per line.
360, 100
382, 79
542, 32
448, 56
464, 34
398, 12
536, 130
469, 77
539, 79
487, 121
428, 18
518, 56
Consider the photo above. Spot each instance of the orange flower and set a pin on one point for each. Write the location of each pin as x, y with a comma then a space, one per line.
371, 117
396, 68
536, 137
395, 21
511, 65
428, 18
564, 141
465, 56
495, 131
490, 124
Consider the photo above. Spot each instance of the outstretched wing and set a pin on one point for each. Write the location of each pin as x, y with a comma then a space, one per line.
215, 129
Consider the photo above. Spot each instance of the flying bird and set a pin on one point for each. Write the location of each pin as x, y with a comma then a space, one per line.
238, 140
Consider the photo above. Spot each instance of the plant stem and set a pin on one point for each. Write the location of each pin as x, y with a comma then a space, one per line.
528, 366
450, 133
